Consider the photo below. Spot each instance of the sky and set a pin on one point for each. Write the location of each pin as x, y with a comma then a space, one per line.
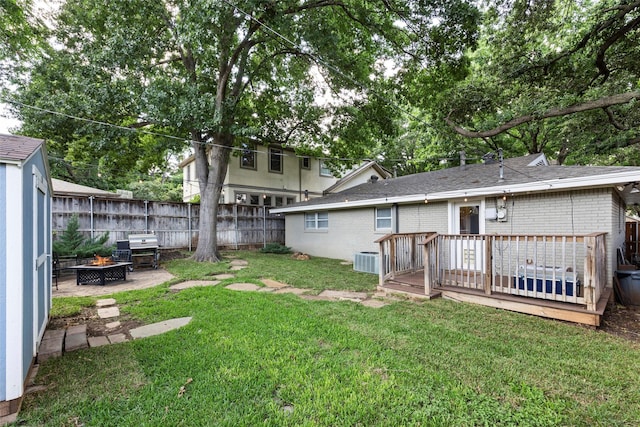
6, 123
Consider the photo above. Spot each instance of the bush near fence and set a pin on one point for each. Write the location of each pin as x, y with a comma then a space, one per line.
175, 224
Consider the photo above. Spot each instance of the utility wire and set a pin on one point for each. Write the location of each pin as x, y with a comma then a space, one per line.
320, 60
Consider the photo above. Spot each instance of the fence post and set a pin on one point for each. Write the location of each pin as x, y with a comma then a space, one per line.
91, 214
426, 260
590, 273
189, 220
146, 216
488, 268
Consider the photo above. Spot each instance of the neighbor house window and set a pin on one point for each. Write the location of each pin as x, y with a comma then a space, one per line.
267, 201
305, 163
275, 160
324, 170
316, 221
383, 218
254, 199
248, 156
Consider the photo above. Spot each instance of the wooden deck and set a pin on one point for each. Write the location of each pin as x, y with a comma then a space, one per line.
412, 285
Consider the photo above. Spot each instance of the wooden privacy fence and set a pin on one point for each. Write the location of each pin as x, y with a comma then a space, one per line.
175, 224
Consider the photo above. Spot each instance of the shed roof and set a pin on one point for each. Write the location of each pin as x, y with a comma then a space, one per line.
16, 148
519, 175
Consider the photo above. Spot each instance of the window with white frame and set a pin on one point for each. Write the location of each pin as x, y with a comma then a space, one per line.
316, 221
384, 217
324, 169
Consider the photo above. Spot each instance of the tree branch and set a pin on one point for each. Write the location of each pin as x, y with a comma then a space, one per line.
604, 102
616, 124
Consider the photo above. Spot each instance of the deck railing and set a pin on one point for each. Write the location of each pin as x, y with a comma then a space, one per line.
401, 253
567, 268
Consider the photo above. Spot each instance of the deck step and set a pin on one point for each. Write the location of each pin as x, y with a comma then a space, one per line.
393, 286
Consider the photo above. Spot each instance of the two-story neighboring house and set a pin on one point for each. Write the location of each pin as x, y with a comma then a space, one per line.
275, 176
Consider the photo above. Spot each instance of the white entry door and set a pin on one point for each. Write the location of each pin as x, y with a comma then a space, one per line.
467, 221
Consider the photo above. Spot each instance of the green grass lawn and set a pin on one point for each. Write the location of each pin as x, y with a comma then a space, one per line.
253, 358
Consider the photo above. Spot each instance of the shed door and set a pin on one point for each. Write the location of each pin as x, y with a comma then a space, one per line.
42, 273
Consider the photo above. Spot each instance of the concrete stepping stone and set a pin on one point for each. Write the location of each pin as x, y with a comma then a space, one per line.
117, 338
237, 267
316, 298
51, 345
76, 338
106, 302
243, 287
296, 291
273, 284
224, 276
113, 325
98, 341
373, 303
266, 289
345, 295
239, 262
159, 328
192, 284
106, 313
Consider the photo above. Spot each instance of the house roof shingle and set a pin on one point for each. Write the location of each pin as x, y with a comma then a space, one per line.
516, 172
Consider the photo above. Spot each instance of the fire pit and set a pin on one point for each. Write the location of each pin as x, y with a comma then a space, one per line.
100, 271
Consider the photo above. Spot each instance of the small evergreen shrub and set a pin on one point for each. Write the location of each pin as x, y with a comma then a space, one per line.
72, 242
275, 248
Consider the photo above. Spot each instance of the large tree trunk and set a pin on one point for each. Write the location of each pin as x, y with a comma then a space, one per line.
211, 175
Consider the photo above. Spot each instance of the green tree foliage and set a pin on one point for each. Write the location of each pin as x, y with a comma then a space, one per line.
158, 188
554, 75
217, 73
73, 242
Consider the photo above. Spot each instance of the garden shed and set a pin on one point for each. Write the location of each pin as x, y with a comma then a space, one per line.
25, 263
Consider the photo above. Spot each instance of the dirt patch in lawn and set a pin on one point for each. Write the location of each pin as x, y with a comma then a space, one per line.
622, 321
96, 326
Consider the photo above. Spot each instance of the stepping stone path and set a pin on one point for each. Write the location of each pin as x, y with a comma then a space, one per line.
328, 295
56, 342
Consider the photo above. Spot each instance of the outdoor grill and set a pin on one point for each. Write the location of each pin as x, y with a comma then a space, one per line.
144, 250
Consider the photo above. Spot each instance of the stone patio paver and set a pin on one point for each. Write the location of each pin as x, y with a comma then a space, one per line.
73, 342
51, 345
138, 279
223, 276
345, 295
296, 291
159, 328
98, 341
105, 302
106, 313
113, 325
192, 284
273, 284
243, 287
117, 338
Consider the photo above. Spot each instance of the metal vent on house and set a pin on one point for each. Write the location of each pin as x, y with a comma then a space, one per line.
366, 262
